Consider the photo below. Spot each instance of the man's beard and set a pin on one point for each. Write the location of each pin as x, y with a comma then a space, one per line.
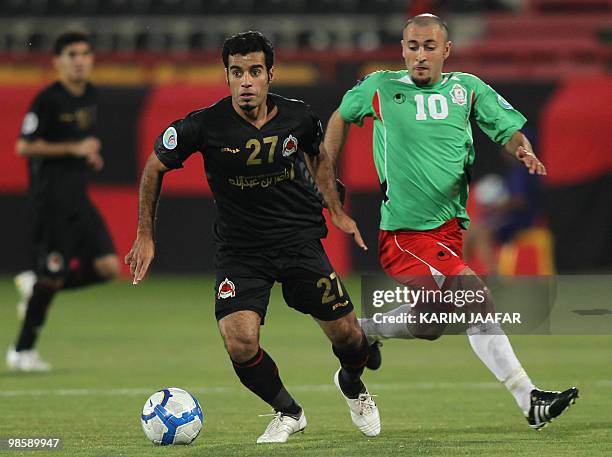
77, 79
248, 107
421, 82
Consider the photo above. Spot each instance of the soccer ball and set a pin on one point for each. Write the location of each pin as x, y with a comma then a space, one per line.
172, 416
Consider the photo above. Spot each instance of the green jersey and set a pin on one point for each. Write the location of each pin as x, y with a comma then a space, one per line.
423, 147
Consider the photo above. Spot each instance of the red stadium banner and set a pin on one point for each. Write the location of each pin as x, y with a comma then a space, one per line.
15, 103
357, 169
165, 104
575, 131
119, 208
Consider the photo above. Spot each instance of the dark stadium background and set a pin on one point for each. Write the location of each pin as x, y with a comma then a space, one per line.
159, 59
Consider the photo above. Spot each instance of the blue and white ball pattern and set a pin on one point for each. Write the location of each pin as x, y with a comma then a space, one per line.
172, 416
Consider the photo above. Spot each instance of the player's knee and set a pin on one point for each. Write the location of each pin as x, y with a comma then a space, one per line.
347, 336
108, 267
50, 283
241, 348
426, 332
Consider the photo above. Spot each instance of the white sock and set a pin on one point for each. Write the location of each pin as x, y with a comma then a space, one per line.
492, 346
384, 329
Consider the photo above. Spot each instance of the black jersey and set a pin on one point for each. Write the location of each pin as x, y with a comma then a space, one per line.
58, 116
264, 194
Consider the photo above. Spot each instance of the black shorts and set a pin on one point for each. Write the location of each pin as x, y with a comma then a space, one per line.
309, 283
60, 237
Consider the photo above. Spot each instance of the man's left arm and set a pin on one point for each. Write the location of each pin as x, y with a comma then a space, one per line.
520, 147
326, 182
501, 122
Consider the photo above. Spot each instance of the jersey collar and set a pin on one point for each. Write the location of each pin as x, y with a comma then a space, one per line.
271, 105
406, 79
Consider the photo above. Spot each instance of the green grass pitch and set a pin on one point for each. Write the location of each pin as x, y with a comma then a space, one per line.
112, 346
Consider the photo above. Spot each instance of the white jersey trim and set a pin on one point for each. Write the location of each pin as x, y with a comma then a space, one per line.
405, 79
437, 275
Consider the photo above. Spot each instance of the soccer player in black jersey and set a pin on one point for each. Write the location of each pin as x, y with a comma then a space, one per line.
71, 243
269, 175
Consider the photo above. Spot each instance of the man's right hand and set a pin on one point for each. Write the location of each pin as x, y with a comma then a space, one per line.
95, 162
140, 257
345, 223
86, 148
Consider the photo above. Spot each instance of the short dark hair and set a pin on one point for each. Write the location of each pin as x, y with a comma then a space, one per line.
246, 42
428, 19
68, 38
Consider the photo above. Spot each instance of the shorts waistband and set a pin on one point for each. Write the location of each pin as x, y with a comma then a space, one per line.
452, 224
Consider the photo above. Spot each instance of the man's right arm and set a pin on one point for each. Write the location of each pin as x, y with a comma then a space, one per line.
42, 148
335, 137
141, 255
356, 104
36, 126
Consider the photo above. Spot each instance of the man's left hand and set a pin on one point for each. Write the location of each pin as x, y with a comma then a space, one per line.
531, 161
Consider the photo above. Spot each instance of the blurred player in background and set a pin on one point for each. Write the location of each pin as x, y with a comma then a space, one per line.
423, 152
71, 244
508, 206
264, 160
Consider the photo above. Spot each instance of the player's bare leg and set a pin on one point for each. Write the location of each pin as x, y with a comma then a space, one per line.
98, 270
479, 239
240, 333
108, 266
388, 326
350, 346
258, 372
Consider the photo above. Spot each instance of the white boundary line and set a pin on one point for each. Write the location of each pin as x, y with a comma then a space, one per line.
297, 388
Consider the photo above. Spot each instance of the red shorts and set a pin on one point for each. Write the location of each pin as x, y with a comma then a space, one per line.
419, 257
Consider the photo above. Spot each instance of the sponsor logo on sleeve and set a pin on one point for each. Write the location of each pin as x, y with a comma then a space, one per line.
226, 289
55, 262
169, 138
503, 102
30, 123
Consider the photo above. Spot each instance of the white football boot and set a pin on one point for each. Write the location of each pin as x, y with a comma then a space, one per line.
24, 283
283, 425
25, 361
364, 411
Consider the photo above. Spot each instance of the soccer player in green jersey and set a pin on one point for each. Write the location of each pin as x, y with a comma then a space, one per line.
423, 151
